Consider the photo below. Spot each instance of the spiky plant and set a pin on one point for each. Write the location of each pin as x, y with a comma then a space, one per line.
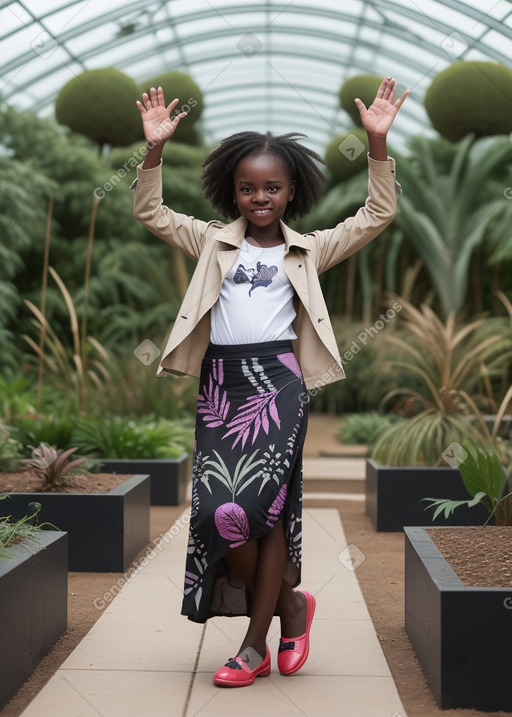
79, 366
13, 531
445, 362
53, 467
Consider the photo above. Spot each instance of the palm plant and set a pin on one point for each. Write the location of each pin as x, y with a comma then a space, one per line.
486, 482
137, 287
453, 197
22, 192
338, 202
445, 362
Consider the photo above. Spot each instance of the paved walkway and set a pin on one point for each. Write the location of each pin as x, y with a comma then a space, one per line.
142, 658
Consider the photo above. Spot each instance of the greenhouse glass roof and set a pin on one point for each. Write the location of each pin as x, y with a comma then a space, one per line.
261, 65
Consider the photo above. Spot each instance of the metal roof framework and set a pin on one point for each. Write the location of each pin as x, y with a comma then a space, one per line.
264, 65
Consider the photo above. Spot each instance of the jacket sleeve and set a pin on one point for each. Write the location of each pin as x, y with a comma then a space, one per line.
179, 230
334, 245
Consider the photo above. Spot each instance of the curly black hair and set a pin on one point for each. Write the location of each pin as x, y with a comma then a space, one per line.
219, 166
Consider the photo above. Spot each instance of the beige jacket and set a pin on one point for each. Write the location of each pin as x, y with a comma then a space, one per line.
215, 246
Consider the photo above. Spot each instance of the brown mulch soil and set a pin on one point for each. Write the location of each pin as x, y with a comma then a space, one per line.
480, 556
29, 482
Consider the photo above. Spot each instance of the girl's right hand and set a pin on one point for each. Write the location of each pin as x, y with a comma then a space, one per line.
156, 117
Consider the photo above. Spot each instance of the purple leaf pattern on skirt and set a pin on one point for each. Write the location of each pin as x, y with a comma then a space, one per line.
214, 406
290, 361
277, 506
254, 414
232, 524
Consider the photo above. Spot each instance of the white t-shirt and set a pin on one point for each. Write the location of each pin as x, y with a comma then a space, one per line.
256, 299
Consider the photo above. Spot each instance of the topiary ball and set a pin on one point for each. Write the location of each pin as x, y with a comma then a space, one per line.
181, 85
363, 86
100, 104
471, 98
346, 154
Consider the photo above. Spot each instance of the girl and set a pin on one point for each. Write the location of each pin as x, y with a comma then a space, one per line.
254, 327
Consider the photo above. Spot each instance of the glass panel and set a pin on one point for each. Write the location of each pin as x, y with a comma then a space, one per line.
269, 63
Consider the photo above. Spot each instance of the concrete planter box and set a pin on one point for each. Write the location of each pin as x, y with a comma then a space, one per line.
460, 634
106, 530
168, 476
33, 606
394, 496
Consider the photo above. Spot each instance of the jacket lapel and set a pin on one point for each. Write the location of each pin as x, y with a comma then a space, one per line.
232, 235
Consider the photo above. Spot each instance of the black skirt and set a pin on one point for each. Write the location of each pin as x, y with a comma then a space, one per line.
247, 469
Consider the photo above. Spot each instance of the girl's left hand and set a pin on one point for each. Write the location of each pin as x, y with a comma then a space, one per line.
378, 118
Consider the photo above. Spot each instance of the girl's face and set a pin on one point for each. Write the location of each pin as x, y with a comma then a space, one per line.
262, 189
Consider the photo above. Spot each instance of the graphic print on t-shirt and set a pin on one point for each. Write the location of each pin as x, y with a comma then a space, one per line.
261, 276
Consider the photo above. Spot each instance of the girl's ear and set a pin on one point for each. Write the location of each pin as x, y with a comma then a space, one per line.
291, 193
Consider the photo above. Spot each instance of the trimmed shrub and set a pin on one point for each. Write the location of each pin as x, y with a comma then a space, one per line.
346, 154
181, 85
180, 154
100, 104
471, 98
363, 86
364, 428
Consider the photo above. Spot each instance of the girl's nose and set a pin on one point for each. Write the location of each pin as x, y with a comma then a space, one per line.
260, 196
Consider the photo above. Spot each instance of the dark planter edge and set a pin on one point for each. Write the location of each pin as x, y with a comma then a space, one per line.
458, 632
24, 550
121, 523
393, 496
169, 476
36, 569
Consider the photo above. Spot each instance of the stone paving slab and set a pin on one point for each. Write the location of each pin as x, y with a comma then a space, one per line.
334, 468
143, 658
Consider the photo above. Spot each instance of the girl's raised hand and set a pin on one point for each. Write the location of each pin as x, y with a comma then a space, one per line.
378, 118
156, 117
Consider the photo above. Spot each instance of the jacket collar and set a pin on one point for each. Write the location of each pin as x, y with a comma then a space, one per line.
234, 232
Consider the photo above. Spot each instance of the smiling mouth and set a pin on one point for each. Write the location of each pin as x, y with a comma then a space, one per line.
260, 211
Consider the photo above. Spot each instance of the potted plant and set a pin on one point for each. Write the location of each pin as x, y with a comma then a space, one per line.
106, 529
33, 596
443, 364
458, 591
154, 447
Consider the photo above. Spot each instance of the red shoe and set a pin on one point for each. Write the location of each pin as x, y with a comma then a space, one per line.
236, 672
294, 651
